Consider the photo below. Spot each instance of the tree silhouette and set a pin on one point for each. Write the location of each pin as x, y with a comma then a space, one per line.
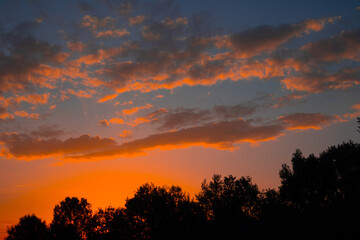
325, 190
71, 219
111, 223
29, 227
164, 212
231, 205
358, 121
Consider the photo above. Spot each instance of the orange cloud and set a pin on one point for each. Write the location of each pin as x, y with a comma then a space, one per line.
103, 123
98, 57
287, 100
136, 20
221, 135
112, 33
22, 146
315, 82
116, 120
133, 110
81, 93
345, 45
173, 23
304, 121
107, 98
349, 116
151, 117
356, 107
27, 115
25, 57
4, 114
266, 38
76, 46
34, 99
94, 23
125, 134
183, 117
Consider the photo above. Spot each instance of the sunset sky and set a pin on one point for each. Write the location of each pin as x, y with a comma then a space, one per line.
98, 97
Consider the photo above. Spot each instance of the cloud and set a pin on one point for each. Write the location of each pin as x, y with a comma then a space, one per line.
149, 118
117, 121
182, 117
235, 111
48, 131
356, 107
159, 96
23, 146
112, 33
136, 20
81, 93
221, 135
108, 97
265, 38
345, 45
315, 82
125, 134
352, 115
25, 114
304, 121
4, 114
22, 58
134, 110
76, 46
34, 99
103, 123
289, 100
94, 23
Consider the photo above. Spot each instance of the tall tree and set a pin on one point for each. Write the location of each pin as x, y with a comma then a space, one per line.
325, 190
111, 223
231, 205
71, 219
164, 213
29, 227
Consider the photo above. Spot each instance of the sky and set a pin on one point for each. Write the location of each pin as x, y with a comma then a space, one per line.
98, 97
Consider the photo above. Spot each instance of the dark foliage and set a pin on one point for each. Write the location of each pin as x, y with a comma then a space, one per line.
29, 227
71, 219
231, 205
318, 198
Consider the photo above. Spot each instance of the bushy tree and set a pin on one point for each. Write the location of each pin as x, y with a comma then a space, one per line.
111, 223
71, 219
29, 227
164, 212
325, 190
231, 205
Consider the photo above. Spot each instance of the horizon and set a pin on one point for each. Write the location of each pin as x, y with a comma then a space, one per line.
100, 95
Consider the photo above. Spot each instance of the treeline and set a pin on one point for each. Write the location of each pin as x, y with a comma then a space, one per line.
319, 197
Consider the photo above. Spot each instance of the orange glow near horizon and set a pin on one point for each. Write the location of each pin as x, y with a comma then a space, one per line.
101, 189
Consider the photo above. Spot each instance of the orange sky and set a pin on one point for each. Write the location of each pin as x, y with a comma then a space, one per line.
99, 97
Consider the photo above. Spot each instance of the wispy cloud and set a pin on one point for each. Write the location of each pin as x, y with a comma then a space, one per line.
307, 120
